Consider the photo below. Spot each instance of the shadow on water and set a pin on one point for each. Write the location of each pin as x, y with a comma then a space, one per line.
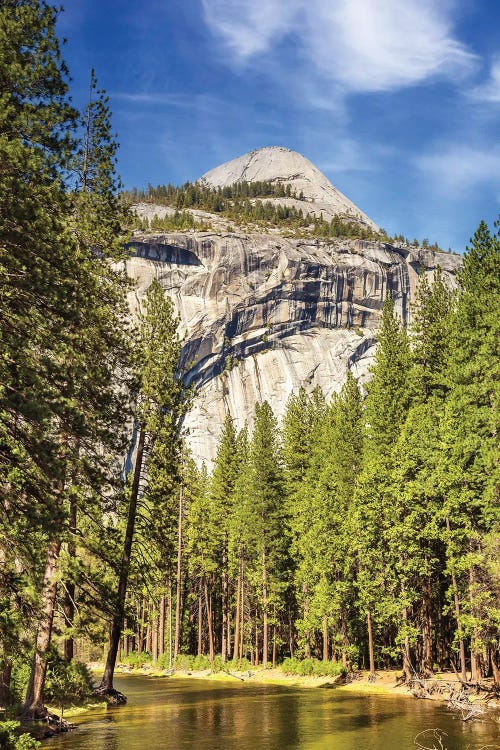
163, 714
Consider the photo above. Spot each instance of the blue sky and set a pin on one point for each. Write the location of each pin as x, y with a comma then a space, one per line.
396, 101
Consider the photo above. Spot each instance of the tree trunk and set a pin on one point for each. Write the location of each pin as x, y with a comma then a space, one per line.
256, 640
371, 658
169, 606
225, 608
325, 639
107, 678
307, 647
142, 626
461, 641
274, 646
161, 627
265, 633
475, 656
33, 704
494, 666
242, 626
154, 635
427, 665
178, 581
69, 598
407, 668
200, 624
210, 628
237, 617
125, 640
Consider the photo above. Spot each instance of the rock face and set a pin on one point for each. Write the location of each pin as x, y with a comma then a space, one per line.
262, 314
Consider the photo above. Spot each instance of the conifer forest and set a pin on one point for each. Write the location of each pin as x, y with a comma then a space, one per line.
360, 532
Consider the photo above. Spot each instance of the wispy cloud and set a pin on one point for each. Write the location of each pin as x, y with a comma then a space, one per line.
490, 90
362, 45
457, 169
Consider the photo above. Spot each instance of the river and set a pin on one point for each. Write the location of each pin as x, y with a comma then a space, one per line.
170, 714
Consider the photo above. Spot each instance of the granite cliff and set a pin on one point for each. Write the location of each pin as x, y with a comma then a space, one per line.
263, 313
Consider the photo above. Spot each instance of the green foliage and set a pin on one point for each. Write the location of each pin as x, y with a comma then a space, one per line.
310, 667
10, 739
243, 204
67, 683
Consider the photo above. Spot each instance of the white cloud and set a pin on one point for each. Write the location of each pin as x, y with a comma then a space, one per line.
490, 90
363, 45
459, 168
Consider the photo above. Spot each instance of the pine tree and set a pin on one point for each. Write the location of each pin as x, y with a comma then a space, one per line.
221, 491
36, 268
267, 525
160, 408
372, 512
469, 468
415, 539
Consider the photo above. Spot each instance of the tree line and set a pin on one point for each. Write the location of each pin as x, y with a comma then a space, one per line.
240, 203
365, 530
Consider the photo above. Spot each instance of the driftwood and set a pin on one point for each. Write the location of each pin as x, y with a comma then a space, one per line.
434, 739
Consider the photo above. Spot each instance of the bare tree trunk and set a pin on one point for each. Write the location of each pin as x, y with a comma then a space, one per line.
149, 627
200, 624
237, 617
107, 678
161, 627
142, 626
256, 640
170, 623
307, 647
125, 640
225, 609
265, 633
33, 704
325, 639
69, 598
407, 668
154, 636
494, 666
427, 626
461, 641
210, 628
475, 657
274, 646
371, 658
242, 626
179, 575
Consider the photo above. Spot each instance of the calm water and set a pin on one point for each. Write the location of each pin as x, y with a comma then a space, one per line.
163, 714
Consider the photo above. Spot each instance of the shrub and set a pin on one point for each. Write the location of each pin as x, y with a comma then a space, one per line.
11, 740
240, 665
218, 665
19, 680
306, 667
134, 659
67, 683
163, 661
184, 662
201, 662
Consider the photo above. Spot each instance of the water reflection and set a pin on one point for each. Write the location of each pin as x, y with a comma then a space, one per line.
167, 714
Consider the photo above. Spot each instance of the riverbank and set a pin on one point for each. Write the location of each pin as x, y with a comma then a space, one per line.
442, 687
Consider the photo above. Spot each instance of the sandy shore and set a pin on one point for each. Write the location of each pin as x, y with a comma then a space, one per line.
386, 682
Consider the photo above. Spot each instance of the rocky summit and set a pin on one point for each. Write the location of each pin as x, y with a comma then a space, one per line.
264, 313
